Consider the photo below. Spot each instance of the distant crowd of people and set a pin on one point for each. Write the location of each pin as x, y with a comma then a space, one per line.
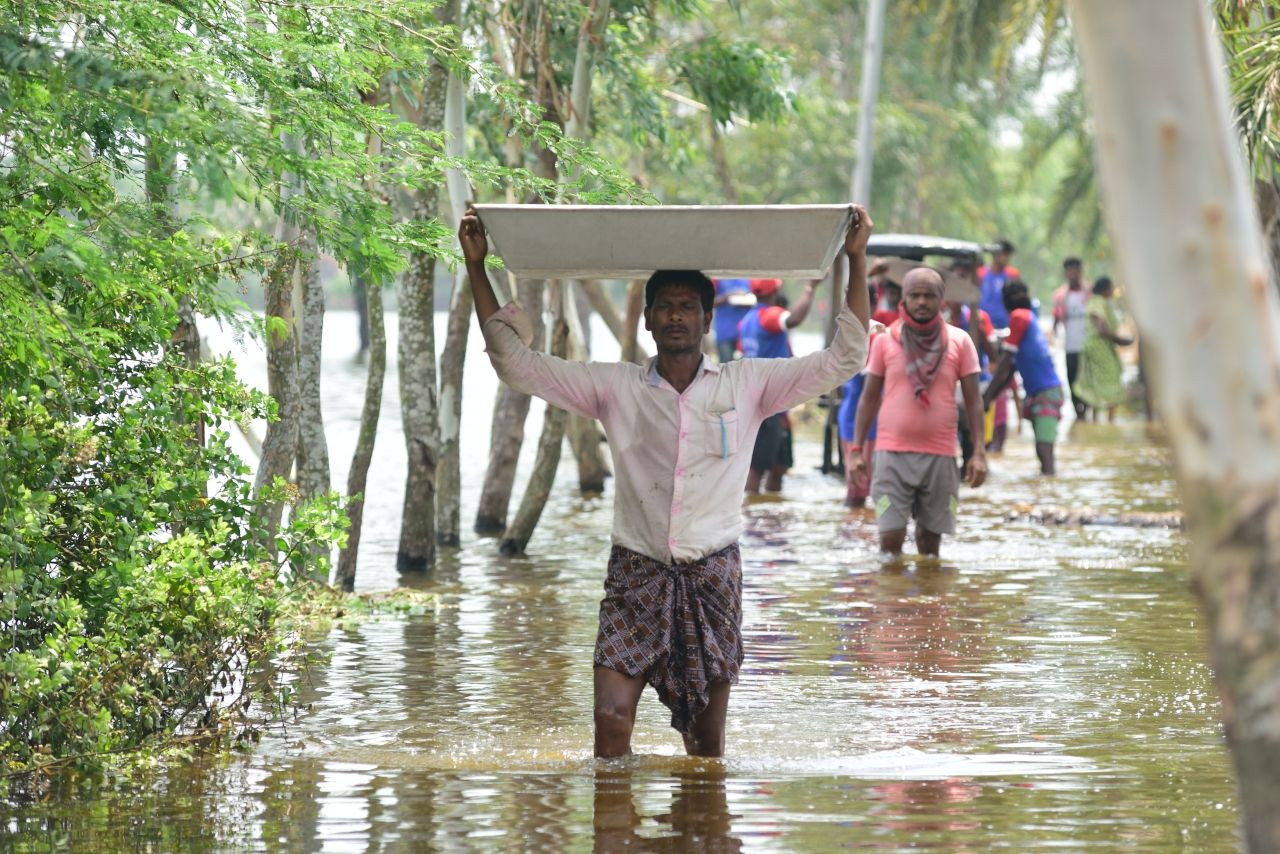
938, 380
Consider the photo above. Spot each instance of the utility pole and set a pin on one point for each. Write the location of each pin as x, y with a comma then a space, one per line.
859, 188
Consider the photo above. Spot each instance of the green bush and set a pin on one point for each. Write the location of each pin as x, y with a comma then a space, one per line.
131, 604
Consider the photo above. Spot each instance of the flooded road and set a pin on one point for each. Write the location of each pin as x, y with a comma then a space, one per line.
1041, 688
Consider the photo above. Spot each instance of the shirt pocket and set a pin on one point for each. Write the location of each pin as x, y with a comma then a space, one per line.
721, 433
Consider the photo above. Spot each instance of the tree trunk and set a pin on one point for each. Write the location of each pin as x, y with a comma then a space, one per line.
721, 160
1267, 195
448, 501
617, 324
507, 433
374, 325
161, 165
358, 476
360, 296
418, 406
417, 355
547, 460
586, 437
453, 359
1182, 217
631, 349
313, 449
280, 444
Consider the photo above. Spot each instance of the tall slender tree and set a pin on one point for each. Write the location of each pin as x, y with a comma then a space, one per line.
1180, 208
419, 412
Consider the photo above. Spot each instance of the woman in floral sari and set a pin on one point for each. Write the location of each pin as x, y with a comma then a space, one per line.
1100, 385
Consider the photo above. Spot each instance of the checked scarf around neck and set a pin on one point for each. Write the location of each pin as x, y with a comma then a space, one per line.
924, 345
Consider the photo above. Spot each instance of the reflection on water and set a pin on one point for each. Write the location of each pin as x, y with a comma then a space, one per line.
1040, 688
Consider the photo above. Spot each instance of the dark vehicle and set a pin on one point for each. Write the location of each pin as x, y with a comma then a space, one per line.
937, 252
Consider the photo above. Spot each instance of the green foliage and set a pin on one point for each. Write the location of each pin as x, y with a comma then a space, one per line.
1251, 35
736, 76
135, 590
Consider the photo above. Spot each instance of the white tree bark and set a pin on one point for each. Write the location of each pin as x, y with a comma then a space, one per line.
453, 359
419, 412
370, 413
1195, 270
280, 444
585, 434
313, 448
547, 460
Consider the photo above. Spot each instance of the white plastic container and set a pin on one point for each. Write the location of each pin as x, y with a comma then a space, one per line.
631, 242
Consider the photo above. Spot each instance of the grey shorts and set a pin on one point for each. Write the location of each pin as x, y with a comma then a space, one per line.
924, 486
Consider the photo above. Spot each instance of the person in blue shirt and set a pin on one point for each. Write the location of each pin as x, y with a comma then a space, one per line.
732, 302
762, 334
992, 280
1026, 350
857, 485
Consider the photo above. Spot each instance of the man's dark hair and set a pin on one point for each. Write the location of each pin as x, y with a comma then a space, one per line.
692, 279
1005, 246
1072, 262
890, 283
1015, 295
1101, 285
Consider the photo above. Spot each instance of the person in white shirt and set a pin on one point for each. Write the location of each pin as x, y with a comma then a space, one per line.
1069, 313
680, 430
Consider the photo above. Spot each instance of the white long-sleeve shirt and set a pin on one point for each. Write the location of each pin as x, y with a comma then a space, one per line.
680, 460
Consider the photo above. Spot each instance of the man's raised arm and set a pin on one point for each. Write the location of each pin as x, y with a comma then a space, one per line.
475, 246
785, 383
855, 246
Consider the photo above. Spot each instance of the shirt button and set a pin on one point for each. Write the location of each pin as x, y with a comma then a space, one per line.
683, 434
680, 472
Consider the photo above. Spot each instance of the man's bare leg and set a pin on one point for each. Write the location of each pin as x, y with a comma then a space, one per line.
706, 737
753, 480
617, 695
891, 541
928, 542
774, 482
1044, 451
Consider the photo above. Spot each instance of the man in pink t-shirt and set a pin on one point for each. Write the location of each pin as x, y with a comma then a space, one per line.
911, 381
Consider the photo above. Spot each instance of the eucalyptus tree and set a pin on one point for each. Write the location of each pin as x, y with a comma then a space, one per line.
1180, 206
419, 412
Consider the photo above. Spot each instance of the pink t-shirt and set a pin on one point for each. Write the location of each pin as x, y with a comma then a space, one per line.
905, 425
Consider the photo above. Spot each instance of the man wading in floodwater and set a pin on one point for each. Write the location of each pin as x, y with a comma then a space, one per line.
681, 429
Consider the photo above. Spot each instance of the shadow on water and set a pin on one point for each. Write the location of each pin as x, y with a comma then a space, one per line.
1040, 687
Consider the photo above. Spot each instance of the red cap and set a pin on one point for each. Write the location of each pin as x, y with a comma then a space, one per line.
764, 287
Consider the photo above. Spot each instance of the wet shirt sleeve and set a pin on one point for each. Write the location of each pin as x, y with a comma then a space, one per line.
1019, 322
576, 386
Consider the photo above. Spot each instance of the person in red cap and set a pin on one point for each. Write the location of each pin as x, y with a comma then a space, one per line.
762, 334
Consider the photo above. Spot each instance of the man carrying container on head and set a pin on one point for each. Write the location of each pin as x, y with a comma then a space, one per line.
680, 431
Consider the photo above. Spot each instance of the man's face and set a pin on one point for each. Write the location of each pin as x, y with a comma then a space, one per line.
892, 296
677, 320
999, 259
1073, 273
923, 303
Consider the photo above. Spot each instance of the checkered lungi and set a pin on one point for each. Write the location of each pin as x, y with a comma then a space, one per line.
679, 625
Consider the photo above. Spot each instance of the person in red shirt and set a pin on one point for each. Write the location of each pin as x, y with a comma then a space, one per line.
914, 370
890, 297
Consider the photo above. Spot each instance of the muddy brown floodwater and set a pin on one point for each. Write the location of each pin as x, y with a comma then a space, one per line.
1041, 688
